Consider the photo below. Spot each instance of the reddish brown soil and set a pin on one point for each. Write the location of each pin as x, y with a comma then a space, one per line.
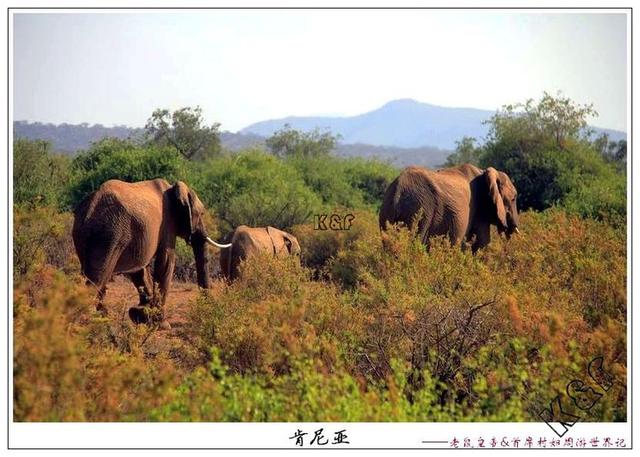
121, 295
174, 342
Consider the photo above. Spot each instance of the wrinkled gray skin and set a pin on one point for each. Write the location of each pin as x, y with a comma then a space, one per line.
122, 226
248, 241
460, 202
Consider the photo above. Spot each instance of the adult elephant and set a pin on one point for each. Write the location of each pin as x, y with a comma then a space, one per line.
122, 226
460, 202
250, 241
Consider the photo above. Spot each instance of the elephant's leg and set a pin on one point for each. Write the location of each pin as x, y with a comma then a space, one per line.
483, 237
423, 232
142, 281
457, 231
234, 269
100, 265
163, 274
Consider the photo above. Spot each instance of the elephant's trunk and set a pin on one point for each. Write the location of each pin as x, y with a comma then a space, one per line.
202, 262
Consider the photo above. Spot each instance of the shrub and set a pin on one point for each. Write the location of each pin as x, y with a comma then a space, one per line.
255, 189
64, 370
566, 264
370, 177
507, 385
39, 175
353, 183
42, 235
320, 246
545, 149
269, 316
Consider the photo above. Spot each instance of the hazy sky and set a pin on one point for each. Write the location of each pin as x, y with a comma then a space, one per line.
246, 66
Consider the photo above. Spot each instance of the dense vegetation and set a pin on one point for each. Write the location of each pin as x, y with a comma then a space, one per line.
545, 148
356, 333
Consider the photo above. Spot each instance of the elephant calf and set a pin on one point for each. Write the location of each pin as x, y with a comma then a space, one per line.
249, 241
460, 202
122, 226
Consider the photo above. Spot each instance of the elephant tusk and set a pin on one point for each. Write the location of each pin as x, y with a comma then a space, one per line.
218, 245
516, 231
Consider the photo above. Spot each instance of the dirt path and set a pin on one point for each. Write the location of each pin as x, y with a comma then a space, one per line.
121, 295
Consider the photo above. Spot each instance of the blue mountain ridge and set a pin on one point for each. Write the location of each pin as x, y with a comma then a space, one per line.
404, 123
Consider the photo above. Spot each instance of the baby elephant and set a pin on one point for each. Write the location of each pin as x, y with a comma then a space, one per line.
248, 241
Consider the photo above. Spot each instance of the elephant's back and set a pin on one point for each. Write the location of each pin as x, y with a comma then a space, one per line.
142, 200
415, 190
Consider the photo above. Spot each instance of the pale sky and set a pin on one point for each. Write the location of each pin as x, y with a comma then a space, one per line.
246, 66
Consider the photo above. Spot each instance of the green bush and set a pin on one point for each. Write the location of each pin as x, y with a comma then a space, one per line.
39, 175
352, 183
255, 189
507, 385
578, 179
117, 159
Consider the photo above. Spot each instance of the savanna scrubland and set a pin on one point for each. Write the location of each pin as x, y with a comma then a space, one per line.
354, 333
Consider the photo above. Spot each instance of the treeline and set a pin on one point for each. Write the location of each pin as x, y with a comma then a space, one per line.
69, 138
281, 186
544, 146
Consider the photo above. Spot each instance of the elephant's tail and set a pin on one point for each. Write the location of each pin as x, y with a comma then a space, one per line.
225, 255
81, 231
389, 204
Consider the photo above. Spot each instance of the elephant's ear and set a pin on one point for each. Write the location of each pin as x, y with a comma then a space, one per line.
183, 208
491, 176
290, 241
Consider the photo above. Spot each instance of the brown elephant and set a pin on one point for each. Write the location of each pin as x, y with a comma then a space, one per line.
460, 202
122, 226
249, 241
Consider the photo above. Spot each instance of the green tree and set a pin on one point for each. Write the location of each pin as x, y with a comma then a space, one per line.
185, 130
288, 142
550, 121
39, 175
544, 146
98, 152
613, 151
527, 139
120, 159
466, 152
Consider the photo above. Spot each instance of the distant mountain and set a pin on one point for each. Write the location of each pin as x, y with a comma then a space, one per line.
401, 123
